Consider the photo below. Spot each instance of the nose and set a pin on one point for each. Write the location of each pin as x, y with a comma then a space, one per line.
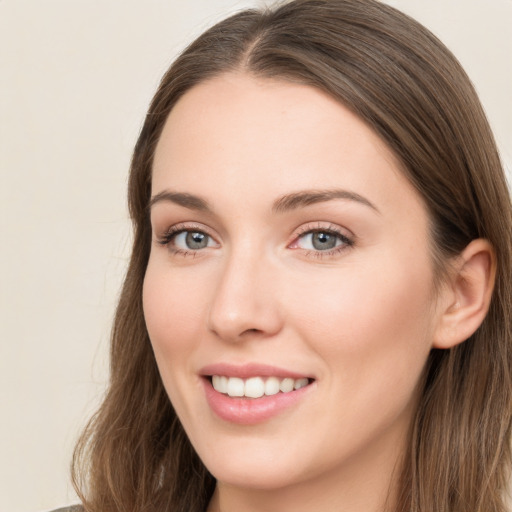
245, 301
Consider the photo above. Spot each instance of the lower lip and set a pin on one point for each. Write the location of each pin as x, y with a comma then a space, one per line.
249, 411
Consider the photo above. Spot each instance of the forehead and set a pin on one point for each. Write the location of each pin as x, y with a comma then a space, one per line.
240, 135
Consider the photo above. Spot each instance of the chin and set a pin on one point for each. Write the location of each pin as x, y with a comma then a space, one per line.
252, 476
264, 468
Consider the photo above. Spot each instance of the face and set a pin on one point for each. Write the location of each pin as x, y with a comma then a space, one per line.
288, 295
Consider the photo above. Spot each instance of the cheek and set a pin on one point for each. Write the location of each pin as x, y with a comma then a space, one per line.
373, 326
352, 305
172, 311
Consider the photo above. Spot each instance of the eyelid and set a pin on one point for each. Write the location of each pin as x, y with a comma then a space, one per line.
166, 237
322, 226
347, 237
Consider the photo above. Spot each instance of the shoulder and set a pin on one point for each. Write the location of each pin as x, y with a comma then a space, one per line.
72, 508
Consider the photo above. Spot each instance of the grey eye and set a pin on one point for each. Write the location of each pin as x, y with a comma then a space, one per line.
192, 240
322, 241
196, 240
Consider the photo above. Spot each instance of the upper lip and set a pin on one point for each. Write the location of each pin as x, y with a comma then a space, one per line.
245, 371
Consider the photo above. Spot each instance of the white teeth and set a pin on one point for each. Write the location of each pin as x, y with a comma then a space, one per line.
235, 387
223, 383
286, 385
300, 383
272, 386
256, 387
220, 383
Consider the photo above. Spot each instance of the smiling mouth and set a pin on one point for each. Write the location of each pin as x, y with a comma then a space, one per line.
256, 387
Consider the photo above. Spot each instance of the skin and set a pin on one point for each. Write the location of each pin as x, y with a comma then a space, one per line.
360, 321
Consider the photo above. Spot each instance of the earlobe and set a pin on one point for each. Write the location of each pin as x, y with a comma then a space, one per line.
467, 294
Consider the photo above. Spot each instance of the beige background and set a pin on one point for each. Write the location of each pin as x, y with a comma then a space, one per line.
75, 79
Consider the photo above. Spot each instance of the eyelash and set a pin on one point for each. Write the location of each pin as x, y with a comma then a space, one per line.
172, 232
347, 242
166, 238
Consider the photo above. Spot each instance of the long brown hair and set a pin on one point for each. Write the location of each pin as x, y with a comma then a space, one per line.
397, 77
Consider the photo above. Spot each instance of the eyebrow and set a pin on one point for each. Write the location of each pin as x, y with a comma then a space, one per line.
285, 203
309, 197
189, 201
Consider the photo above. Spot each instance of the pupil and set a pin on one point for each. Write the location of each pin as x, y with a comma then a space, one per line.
323, 241
196, 240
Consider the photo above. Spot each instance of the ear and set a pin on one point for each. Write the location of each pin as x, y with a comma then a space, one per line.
467, 294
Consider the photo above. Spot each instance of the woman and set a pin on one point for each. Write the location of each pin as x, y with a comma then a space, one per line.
315, 315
